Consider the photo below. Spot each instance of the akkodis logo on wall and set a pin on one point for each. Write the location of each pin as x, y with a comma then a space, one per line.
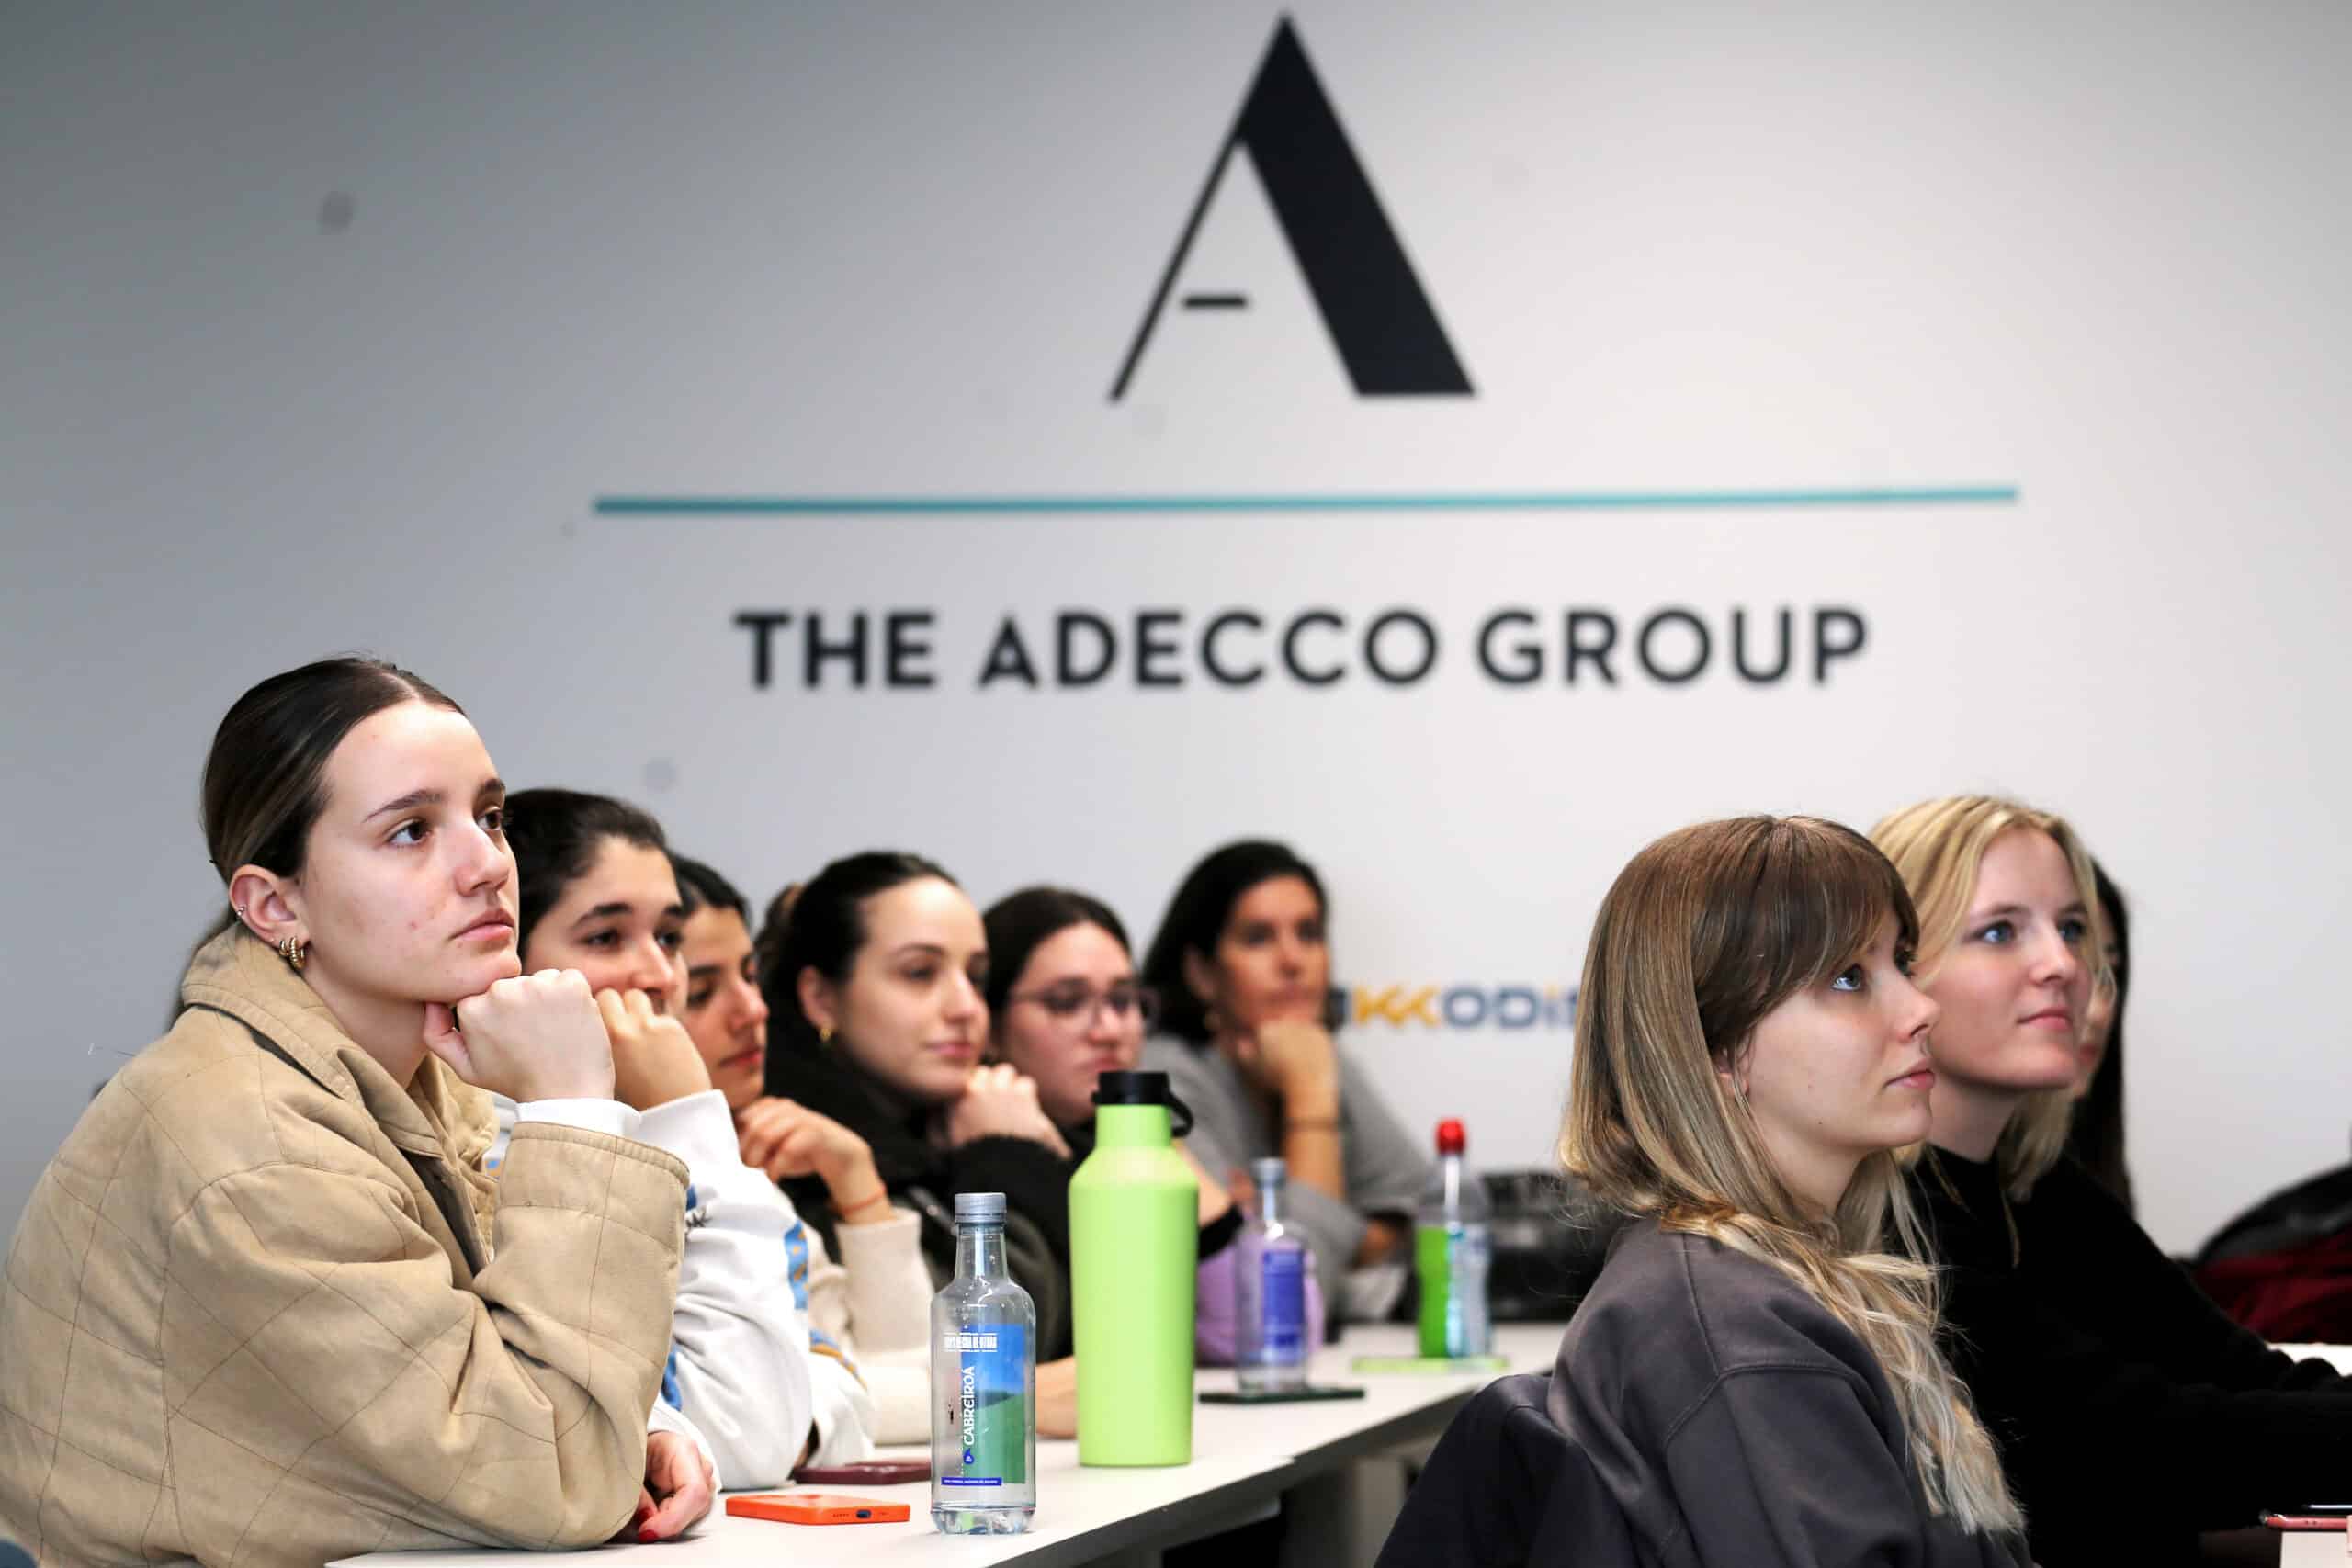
1410, 1005
1379, 315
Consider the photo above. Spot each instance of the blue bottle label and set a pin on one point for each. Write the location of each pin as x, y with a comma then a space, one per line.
1283, 1333
988, 1408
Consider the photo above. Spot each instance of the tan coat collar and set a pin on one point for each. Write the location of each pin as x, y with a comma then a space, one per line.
438, 1114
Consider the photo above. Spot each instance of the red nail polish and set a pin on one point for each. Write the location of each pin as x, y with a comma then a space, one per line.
646, 1537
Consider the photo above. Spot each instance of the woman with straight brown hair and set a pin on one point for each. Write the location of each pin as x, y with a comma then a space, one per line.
2103, 1371
265, 1306
1754, 1377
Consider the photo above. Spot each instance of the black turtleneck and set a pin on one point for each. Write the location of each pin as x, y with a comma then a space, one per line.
926, 1177
2130, 1412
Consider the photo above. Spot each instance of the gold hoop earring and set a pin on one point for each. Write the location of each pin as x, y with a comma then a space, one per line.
825, 1035
296, 952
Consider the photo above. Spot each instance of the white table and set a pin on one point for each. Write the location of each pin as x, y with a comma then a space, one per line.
2309, 1549
1243, 1457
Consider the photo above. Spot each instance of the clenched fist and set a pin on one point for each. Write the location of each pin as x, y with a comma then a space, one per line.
532, 1037
1299, 1061
654, 1059
999, 1101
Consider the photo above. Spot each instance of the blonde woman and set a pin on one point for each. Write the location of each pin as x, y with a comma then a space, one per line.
1754, 1375
2110, 1379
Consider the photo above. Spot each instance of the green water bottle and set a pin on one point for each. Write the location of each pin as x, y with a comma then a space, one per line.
1135, 1242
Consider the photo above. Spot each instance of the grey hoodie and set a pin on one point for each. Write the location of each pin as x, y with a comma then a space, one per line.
1736, 1421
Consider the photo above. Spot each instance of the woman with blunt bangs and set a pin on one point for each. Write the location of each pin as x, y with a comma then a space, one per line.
266, 1307
2100, 1367
873, 1307
1755, 1376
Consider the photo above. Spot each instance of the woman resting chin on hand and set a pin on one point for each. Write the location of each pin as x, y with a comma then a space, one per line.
1065, 1007
747, 1373
318, 1112
877, 989
1242, 971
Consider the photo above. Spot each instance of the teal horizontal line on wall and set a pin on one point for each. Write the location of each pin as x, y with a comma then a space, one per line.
1440, 500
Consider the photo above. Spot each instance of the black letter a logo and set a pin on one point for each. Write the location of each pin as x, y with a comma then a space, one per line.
1371, 302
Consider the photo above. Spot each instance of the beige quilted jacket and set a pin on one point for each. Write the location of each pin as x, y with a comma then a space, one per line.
264, 1309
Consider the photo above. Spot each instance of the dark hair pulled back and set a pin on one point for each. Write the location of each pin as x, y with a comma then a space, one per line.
555, 834
824, 931
265, 779
704, 888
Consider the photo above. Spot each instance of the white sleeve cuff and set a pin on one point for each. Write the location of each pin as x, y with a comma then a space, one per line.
588, 1115
699, 1129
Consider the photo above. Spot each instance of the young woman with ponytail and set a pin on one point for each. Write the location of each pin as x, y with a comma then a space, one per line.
266, 1307
879, 996
1755, 1377
2103, 1371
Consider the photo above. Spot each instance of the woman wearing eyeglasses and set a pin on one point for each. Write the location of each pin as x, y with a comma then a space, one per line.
1065, 1007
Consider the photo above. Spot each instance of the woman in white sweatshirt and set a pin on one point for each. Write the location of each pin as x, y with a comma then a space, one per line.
874, 1305
598, 896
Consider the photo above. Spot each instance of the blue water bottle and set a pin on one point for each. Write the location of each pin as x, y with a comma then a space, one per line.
983, 1383
1269, 1289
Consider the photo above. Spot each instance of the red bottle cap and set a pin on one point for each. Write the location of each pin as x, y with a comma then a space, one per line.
1449, 1137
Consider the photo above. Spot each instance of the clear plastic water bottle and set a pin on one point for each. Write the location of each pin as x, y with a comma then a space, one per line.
983, 1384
1270, 1287
1451, 1249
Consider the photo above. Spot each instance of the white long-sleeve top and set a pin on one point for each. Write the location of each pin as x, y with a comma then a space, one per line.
746, 1372
876, 1305
622, 1122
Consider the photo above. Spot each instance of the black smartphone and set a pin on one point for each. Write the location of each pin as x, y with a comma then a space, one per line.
1277, 1396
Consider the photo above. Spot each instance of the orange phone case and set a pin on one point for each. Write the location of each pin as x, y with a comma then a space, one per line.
2304, 1521
817, 1508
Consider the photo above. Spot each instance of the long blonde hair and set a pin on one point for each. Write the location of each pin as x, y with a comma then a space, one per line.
1938, 846
1703, 933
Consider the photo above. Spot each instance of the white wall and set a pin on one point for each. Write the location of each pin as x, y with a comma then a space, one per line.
888, 250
